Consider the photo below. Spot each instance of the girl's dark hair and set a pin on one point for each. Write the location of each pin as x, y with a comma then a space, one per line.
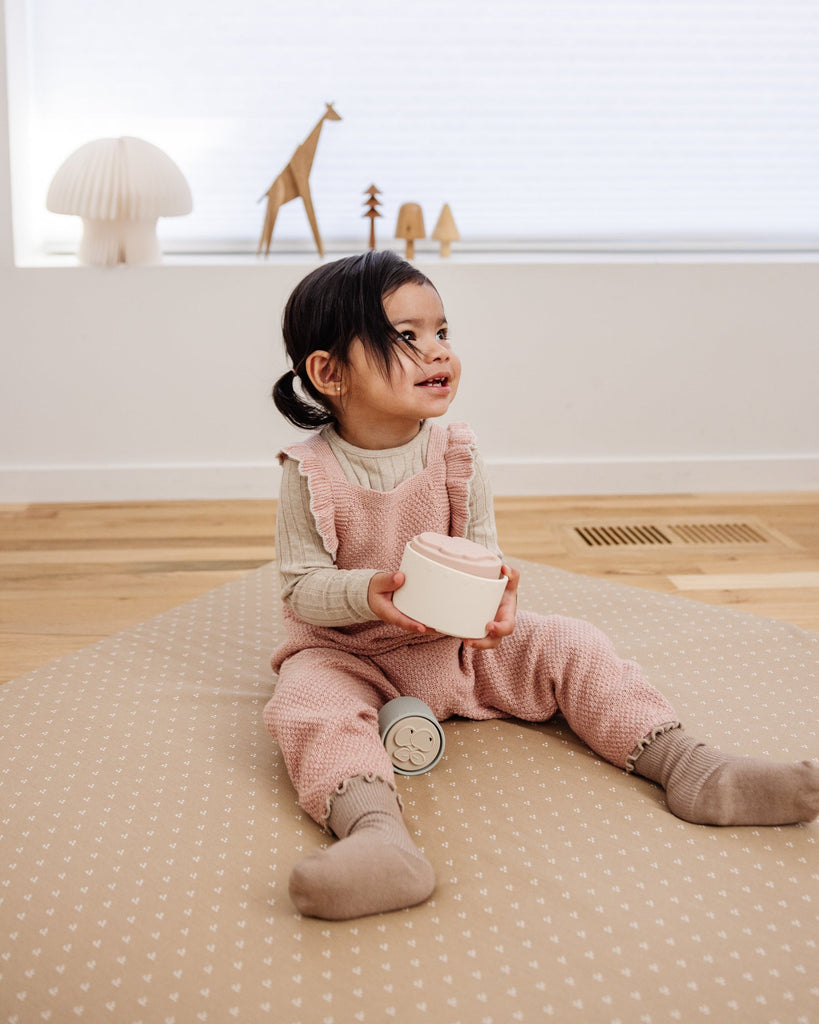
328, 310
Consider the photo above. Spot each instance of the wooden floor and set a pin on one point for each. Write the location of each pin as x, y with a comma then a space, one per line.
73, 574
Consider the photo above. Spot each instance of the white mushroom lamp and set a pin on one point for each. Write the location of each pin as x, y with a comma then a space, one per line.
119, 187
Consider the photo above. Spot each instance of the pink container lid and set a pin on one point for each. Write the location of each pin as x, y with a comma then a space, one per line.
458, 553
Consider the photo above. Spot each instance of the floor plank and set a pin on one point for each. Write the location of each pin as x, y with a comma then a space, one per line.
747, 581
72, 574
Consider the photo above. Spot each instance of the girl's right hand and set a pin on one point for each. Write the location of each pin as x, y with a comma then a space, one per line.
379, 597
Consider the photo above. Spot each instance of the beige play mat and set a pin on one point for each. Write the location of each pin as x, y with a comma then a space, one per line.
148, 830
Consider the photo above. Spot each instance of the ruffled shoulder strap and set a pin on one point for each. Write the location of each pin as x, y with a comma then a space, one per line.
459, 457
317, 463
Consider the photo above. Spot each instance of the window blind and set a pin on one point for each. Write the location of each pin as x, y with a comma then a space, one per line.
538, 121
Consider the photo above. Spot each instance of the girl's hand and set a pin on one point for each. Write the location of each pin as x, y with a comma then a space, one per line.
379, 597
504, 622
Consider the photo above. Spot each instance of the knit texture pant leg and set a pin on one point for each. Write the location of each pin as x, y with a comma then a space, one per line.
552, 664
324, 716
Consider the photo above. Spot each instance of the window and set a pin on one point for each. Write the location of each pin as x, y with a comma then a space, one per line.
539, 121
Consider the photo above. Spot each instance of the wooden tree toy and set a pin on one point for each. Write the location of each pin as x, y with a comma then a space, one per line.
372, 212
410, 226
294, 181
446, 231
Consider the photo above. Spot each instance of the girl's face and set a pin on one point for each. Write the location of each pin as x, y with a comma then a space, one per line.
376, 412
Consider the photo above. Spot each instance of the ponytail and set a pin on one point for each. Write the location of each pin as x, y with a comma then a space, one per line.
307, 415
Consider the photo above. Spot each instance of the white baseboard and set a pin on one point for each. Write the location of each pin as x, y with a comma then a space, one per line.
673, 475
169, 482
78, 483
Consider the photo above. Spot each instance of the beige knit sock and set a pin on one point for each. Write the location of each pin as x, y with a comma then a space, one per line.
707, 787
375, 866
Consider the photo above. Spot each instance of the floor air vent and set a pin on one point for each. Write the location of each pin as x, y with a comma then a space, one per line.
700, 531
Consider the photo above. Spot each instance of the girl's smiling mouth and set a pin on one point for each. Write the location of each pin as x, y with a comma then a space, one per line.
440, 381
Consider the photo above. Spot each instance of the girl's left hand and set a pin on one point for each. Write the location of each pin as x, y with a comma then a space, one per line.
504, 622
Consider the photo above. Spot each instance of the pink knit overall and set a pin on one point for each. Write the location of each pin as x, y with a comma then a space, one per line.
332, 682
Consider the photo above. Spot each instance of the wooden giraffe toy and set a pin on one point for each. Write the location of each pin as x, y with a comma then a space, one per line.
294, 181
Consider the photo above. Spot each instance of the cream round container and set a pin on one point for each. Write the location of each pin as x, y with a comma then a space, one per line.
411, 735
452, 585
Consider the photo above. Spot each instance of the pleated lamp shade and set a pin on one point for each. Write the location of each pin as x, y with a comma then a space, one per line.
119, 187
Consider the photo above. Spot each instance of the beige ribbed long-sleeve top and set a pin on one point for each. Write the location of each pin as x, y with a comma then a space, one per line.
317, 591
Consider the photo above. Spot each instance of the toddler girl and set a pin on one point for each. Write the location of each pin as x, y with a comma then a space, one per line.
368, 341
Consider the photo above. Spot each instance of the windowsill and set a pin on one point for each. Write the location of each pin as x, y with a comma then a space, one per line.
296, 254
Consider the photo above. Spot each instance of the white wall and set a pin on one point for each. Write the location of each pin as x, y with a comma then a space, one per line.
581, 376
154, 382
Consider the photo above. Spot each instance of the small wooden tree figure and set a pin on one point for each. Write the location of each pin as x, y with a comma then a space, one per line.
446, 231
372, 212
410, 226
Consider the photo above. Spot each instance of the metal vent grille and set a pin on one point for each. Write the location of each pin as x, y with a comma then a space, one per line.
667, 533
